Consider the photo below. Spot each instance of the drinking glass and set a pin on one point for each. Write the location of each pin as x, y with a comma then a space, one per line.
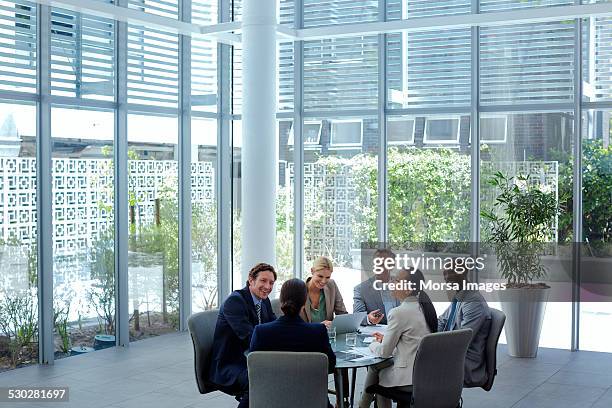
351, 339
331, 333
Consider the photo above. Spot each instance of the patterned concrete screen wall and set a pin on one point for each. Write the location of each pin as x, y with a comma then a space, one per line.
83, 196
330, 195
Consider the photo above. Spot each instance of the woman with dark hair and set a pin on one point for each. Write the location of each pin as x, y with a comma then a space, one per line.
414, 318
289, 332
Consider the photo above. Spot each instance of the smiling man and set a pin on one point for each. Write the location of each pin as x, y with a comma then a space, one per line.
240, 313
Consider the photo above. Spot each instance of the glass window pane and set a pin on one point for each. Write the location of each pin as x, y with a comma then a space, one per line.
153, 224
203, 59
164, 8
528, 63
537, 148
18, 232
204, 214
82, 55
340, 197
597, 59
429, 69
488, 6
596, 309
346, 132
441, 130
400, 130
285, 212
83, 230
18, 46
429, 184
319, 13
341, 73
152, 67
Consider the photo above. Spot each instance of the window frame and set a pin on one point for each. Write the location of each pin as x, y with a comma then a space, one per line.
488, 141
445, 141
333, 122
399, 142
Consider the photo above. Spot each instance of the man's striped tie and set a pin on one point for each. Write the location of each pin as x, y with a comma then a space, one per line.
258, 310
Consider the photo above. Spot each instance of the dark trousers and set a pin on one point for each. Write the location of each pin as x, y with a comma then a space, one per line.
243, 383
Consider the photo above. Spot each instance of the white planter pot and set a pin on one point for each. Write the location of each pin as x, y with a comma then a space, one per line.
524, 309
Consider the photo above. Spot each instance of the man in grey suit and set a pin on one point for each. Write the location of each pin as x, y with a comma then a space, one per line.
376, 303
468, 309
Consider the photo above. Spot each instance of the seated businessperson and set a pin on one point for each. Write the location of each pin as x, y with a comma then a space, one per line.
377, 303
414, 318
468, 309
239, 314
289, 332
324, 300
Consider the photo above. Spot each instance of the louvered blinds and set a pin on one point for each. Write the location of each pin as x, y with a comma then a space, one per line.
18, 46
597, 65
82, 55
505, 5
429, 69
164, 8
284, 73
340, 73
406, 9
527, 63
152, 67
204, 58
331, 12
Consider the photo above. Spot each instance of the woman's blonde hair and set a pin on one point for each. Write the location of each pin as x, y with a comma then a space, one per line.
321, 263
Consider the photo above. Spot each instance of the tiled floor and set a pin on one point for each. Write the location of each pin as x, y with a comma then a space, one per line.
158, 372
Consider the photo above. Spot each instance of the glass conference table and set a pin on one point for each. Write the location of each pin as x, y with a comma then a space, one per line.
351, 358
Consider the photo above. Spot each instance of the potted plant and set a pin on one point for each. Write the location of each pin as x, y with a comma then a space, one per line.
519, 225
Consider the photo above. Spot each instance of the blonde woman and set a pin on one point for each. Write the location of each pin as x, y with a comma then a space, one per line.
324, 299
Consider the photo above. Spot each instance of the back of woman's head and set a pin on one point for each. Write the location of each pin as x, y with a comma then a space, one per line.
429, 311
293, 297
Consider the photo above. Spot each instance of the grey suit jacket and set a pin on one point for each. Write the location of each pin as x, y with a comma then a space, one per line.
367, 299
472, 312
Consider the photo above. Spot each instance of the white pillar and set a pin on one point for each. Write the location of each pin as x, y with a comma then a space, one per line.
258, 133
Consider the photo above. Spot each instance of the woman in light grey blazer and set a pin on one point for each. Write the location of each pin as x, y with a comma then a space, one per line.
408, 323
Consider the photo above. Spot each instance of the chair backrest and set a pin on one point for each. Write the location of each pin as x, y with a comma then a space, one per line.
281, 379
498, 319
202, 329
276, 307
437, 377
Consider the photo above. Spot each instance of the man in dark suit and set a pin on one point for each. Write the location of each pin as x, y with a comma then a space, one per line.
376, 303
468, 309
239, 314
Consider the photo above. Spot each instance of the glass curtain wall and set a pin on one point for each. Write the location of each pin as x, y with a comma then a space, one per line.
18, 171
18, 229
82, 100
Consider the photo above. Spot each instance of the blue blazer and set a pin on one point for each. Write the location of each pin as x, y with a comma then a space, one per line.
293, 334
237, 318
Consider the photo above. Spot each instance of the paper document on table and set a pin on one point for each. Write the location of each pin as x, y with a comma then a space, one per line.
364, 351
370, 330
368, 340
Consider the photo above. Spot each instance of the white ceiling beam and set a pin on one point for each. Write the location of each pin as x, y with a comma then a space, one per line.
504, 18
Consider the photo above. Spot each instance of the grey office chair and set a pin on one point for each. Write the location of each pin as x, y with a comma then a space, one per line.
437, 375
498, 319
281, 379
202, 330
